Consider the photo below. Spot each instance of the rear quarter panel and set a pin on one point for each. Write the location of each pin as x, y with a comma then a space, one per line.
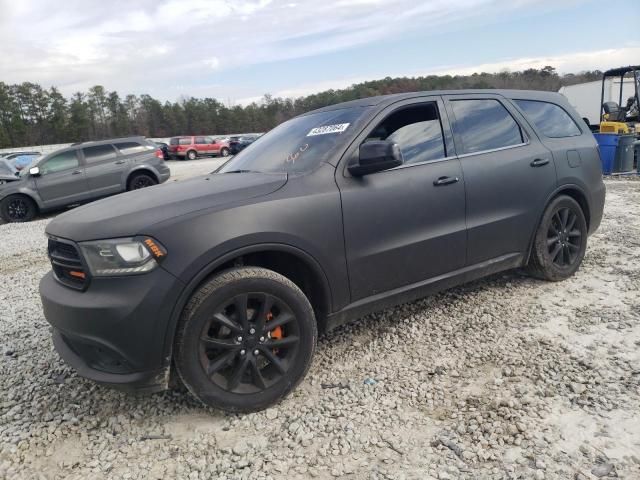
576, 159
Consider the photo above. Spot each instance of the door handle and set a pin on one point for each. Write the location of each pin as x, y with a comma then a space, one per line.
539, 162
445, 181
76, 172
119, 162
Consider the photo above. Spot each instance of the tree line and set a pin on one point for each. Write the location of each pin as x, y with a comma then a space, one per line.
33, 115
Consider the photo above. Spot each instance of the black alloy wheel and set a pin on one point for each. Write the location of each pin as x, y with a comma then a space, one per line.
141, 181
563, 238
560, 241
245, 339
17, 208
249, 343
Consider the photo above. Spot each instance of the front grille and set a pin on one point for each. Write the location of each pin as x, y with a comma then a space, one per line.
67, 264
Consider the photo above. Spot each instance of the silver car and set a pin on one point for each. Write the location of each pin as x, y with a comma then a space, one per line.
81, 173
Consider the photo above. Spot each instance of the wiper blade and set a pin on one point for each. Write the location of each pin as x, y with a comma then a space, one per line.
242, 171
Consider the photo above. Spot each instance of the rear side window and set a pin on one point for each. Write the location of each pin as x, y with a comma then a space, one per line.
174, 141
62, 161
98, 153
127, 148
551, 119
416, 130
185, 141
484, 125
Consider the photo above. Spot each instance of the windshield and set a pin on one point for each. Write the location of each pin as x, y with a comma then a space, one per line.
300, 144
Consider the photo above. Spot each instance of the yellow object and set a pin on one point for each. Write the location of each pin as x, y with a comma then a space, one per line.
614, 127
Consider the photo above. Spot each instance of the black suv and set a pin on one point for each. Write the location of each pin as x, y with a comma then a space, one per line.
227, 279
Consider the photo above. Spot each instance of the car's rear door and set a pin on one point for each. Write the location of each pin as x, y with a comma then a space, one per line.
201, 145
62, 180
509, 175
104, 168
407, 224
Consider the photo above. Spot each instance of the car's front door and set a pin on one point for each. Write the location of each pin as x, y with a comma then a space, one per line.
508, 173
62, 180
407, 224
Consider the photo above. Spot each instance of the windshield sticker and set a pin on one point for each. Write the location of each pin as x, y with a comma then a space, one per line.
338, 128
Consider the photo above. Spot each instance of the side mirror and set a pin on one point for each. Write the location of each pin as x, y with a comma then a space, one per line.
376, 156
34, 171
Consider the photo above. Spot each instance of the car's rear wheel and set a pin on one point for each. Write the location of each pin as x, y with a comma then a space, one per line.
192, 154
18, 208
141, 180
560, 242
224, 152
245, 339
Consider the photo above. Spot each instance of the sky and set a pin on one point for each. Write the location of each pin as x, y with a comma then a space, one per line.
239, 50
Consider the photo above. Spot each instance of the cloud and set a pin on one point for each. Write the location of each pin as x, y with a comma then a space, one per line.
566, 63
158, 46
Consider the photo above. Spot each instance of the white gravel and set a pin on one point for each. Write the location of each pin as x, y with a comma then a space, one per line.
508, 377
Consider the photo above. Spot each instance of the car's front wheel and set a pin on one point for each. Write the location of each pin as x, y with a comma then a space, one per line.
224, 152
192, 154
560, 242
18, 208
245, 339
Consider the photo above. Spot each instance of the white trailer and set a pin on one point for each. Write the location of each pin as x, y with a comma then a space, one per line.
585, 97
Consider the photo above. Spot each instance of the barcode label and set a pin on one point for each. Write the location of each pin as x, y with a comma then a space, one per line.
338, 128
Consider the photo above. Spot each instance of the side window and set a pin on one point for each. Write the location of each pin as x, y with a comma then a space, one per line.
416, 130
61, 162
201, 141
127, 148
208, 140
98, 153
185, 141
551, 119
484, 125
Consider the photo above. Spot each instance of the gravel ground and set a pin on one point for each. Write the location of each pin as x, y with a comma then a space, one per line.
508, 377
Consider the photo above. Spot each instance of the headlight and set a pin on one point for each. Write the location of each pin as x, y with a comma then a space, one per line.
122, 256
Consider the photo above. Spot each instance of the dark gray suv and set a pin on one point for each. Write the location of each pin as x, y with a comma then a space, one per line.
227, 279
81, 173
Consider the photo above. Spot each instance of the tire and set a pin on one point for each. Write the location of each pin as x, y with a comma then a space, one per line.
140, 180
560, 242
191, 155
226, 364
18, 208
224, 152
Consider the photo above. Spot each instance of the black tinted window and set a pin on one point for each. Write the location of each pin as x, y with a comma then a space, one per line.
550, 119
127, 148
99, 153
62, 161
201, 140
484, 125
416, 130
174, 141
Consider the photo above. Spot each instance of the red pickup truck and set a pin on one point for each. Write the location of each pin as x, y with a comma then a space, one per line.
192, 147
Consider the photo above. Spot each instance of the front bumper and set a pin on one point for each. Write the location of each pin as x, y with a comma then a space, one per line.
114, 332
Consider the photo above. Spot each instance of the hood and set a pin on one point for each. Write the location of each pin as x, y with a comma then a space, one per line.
8, 178
131, 213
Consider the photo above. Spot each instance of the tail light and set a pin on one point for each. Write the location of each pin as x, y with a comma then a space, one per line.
159, 154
